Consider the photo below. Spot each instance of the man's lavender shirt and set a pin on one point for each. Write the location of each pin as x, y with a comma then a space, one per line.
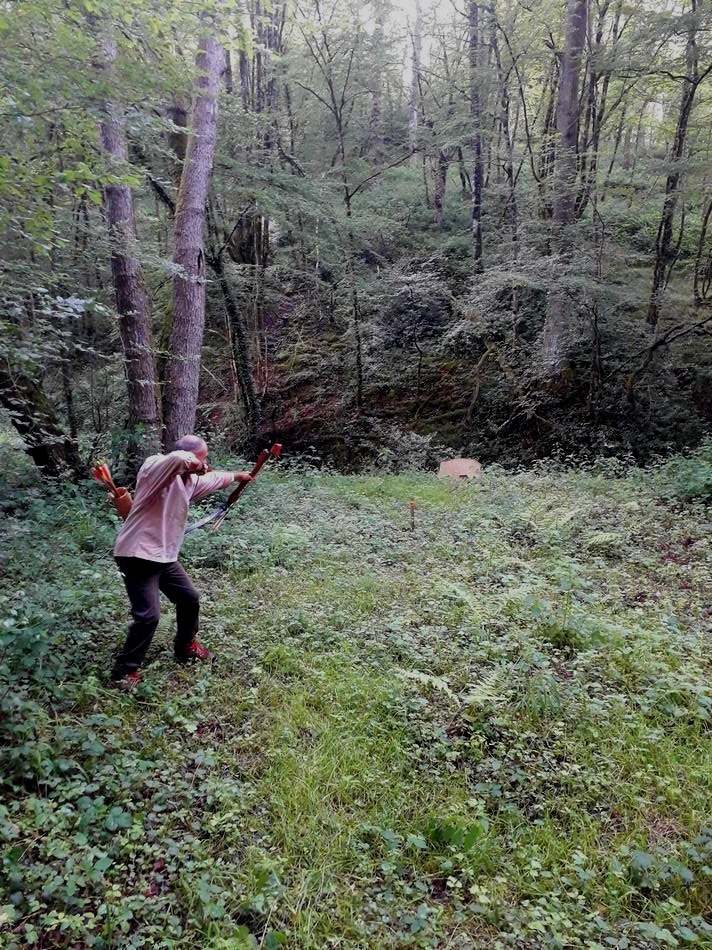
155, 526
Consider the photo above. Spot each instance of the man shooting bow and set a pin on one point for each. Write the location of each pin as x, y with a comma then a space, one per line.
147, 549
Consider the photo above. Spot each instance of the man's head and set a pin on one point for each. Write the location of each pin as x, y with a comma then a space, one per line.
194, 444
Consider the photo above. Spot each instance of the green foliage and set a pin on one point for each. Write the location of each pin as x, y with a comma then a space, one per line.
688, 477
491, 731
348, 224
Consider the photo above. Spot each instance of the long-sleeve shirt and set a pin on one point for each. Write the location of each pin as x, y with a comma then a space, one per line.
165, 488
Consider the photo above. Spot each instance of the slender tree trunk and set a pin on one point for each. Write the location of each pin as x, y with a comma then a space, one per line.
186, 336
702, 273
476, 134
664, 253
417, 40
596, 111
240, 351
260, 97
465, 182
245, 88
351, 269
178, 136
547, 150
132, 303
616, 145
557, 324
337, 106
375, 144
509, 136
445, 152
229, 79
440, 184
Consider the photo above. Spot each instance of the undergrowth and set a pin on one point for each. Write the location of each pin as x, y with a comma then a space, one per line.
493, 730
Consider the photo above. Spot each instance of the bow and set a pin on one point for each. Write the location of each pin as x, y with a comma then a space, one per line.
218, 516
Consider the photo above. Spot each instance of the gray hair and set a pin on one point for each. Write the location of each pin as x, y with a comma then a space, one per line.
190, 443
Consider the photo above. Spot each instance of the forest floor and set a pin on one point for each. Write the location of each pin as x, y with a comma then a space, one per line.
494, 730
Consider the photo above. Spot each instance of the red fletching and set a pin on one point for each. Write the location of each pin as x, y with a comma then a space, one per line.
102, 474
99, 475
276, 449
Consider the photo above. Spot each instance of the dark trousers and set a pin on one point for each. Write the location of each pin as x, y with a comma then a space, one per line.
143, 580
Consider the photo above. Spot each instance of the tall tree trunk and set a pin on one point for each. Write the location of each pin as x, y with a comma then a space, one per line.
701, 278
350, 259
245, 88
337, 105
253, 233
616, 145
476, 133
132, 303
239, 340
664, 254
547, 150
186, 336
375, 144
414, 96
178, 135
557, 325
440, 184
465, 182
509, 136
596, 106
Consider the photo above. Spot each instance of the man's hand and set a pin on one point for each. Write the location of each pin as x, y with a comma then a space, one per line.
198, 467
243, 477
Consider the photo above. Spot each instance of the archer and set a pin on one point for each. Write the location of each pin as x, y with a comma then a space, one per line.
147, 547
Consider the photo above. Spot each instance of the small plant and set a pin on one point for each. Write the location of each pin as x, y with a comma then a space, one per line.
687, 477
486, 723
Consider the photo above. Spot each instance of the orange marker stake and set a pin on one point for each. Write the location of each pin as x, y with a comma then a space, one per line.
412, 515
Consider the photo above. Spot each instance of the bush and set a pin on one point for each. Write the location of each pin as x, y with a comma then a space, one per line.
687, 477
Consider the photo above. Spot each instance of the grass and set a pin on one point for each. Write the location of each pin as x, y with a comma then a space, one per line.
492, 731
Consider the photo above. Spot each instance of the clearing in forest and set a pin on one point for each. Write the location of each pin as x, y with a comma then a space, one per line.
493, 730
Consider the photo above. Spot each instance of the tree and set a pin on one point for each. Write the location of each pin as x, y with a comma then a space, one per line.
476, 133
556, 336
188, 321
327, 54
664, 256
294, 239
132, 303
414, 94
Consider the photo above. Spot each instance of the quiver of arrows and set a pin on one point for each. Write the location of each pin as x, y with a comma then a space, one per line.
120, 497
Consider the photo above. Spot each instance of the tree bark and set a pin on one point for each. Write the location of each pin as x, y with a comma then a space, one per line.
186, 336
557, 323
596, 106
476, 134
616, 145
508, 134
337, 105
178, 136
664, 254
132, 303
375, 144
701, 277
440, 185
417, 40
239, 341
